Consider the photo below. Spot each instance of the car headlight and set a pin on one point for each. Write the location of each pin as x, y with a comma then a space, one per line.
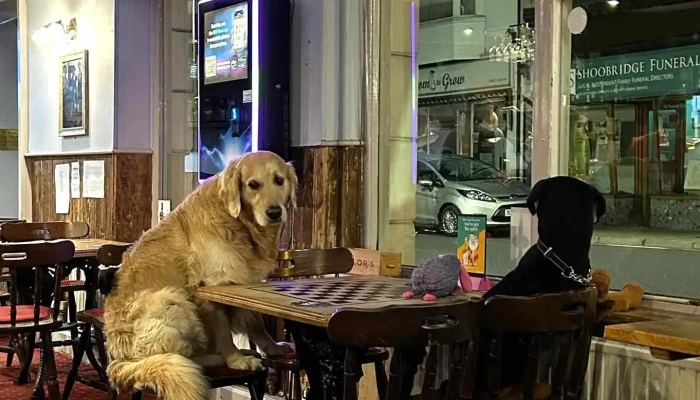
476, 195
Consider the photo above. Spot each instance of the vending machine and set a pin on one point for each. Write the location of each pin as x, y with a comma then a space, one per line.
243, 80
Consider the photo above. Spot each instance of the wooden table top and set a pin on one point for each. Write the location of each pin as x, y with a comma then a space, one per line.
314, 301
673, 338
87, 248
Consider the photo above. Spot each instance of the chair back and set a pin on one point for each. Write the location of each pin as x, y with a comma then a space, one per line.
31, 231
408, 329
313, 262
109, 255
40, 257
566, 317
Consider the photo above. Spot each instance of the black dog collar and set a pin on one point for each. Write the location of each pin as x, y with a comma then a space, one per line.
566, 270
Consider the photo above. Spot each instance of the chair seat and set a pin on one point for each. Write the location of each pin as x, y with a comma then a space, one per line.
94, 316
72, 284
225, 373
24, 314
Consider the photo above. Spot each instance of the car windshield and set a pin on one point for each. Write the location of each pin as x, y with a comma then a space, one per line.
462, 169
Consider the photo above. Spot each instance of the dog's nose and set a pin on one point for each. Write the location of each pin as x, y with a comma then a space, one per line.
274, 213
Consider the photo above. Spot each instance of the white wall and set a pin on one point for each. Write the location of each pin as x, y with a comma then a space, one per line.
8, 117
326, 72
95, 19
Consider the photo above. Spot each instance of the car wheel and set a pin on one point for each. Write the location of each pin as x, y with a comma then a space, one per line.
448, 220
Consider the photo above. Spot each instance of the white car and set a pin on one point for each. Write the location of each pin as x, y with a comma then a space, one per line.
453, 185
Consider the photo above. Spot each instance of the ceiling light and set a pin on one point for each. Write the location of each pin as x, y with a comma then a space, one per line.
613, 3
55, 29
468, 31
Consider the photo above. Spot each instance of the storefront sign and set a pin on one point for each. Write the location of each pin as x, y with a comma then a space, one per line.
471, 241
636, 75
462, 77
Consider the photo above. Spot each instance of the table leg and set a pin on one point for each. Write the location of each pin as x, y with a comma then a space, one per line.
321, 359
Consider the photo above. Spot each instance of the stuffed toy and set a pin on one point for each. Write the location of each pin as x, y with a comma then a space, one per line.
629, 298
437, 277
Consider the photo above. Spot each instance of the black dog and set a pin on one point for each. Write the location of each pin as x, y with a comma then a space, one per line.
566, 209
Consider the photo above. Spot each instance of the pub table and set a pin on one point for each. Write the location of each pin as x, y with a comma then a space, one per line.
668, 339
307, 305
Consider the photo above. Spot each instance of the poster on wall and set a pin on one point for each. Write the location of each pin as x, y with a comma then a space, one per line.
73, 95
471, 242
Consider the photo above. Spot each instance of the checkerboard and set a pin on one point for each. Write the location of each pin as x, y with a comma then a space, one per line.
331, 292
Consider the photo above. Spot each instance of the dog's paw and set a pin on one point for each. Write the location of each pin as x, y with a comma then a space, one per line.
281, 349
244, 363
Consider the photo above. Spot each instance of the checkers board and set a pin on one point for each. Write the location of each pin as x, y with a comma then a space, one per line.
323, 292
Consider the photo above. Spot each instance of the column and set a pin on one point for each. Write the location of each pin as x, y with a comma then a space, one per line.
326, 128
397, 190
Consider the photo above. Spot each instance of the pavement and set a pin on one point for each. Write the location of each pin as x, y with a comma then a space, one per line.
664, 262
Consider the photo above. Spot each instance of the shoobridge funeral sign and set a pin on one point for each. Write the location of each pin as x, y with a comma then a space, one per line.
636, 75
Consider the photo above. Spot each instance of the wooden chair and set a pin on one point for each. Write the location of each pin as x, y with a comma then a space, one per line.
20, 320
568, 317
93, 319
111, 255
408, 329
315, 263
34, 231
5, 295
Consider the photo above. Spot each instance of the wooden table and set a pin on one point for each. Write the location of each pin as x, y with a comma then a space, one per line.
285, 299
87, 248
668, 339
309, 304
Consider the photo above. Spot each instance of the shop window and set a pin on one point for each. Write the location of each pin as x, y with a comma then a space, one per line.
474, 136
467, 7
431, 10
632, 132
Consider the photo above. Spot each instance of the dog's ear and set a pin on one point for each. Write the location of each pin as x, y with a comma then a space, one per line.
293, 182
230, 188
536, 194
600, 205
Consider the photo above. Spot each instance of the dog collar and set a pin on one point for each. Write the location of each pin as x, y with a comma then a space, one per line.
566, 270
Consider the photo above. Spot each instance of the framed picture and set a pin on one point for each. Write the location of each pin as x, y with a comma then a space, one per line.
73, 95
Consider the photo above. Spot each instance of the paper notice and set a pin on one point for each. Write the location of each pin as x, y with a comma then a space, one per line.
62, 180
75, 180
94, 179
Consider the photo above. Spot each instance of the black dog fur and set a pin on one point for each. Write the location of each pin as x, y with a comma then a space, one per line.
566, 209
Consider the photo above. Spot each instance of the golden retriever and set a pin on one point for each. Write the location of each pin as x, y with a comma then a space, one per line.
226, 232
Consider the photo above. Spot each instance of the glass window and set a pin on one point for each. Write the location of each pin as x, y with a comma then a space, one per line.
467, 7
474, 122
431, 10
631, 125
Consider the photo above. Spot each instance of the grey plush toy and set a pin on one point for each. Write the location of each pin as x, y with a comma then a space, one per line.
438, 277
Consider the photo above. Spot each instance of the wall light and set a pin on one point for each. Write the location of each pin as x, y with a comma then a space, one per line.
468, 31
56, 29
613, 3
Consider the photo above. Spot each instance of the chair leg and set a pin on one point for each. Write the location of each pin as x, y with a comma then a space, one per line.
256, 388
101, 352
11, 355
29, 345
351, 377
77, 360
296, 385
50, 374
137, 395
73, 318
382, 380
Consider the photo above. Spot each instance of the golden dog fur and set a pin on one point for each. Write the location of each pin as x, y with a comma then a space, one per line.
158, 334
